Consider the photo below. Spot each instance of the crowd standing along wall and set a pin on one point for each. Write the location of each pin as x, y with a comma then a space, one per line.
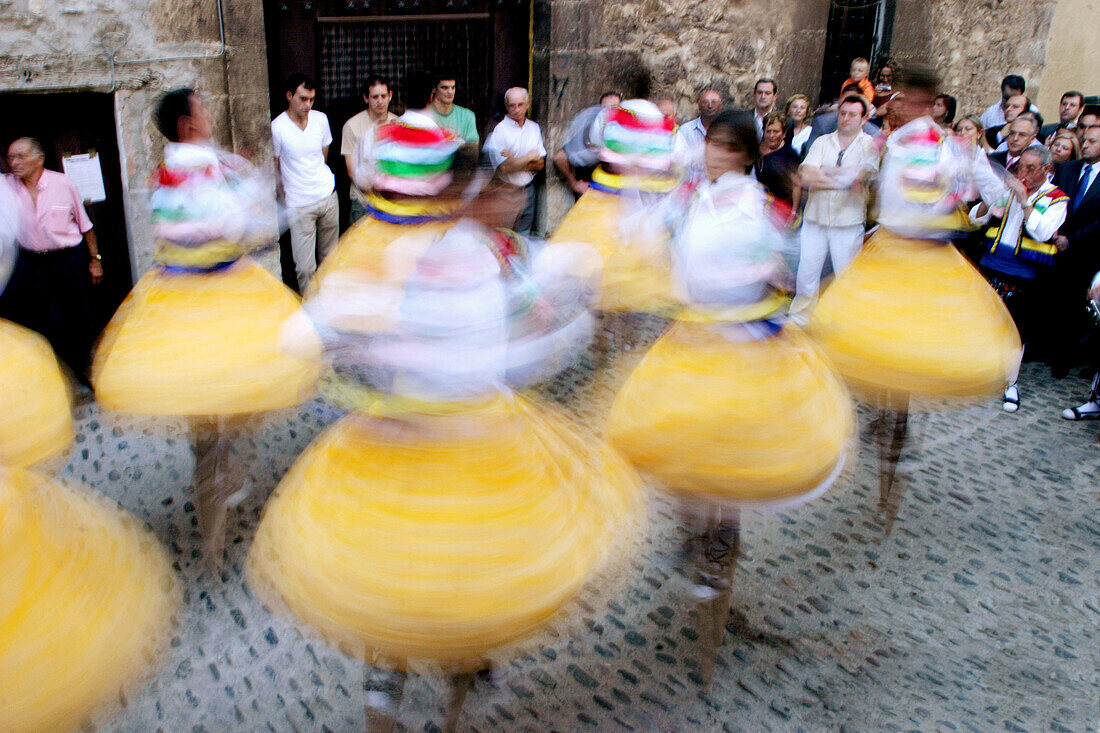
135, 50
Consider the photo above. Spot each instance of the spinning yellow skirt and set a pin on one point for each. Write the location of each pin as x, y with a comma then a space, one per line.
362, 245
35, 422
186, 343
913, 317
636, 273
430, 544
86, 597
742, 421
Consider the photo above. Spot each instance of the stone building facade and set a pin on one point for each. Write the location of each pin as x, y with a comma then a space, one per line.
133, 50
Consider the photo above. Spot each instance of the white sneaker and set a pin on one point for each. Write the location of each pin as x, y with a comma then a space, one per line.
1011, 400
1088, 411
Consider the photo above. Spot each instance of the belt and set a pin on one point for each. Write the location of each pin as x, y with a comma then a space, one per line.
49, 252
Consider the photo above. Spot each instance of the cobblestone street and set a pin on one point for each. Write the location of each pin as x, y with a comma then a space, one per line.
980, 612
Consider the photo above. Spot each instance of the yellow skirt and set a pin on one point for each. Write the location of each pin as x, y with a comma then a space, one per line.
913, 317
753, 421
86, 598
203, 344
433, 546
636, 273
362, 245
35, 422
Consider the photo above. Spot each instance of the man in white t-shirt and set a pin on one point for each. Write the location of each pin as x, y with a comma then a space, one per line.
516, 151
836, 170
377, 95
301, 137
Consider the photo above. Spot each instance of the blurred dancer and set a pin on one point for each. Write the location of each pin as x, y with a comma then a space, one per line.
733, 406
444, 517
618, 214
35, 422
911, 317
87, 593
406, 172
198, 335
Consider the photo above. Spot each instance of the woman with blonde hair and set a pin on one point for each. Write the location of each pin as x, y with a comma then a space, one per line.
1064, 146
797, 113
971, 128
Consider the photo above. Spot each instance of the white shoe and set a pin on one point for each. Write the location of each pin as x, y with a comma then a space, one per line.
1011, 400
1088, 411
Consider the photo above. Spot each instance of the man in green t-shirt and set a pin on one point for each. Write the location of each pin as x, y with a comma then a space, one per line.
449, 115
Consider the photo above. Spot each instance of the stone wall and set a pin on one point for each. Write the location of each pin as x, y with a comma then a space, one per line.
135, 50
585, 47
1073, 55
975, 43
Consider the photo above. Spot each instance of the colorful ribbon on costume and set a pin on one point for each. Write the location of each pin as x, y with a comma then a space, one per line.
397, 212
615, 184
213, 255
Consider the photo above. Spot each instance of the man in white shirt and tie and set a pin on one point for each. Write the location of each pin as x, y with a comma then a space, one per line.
516, 150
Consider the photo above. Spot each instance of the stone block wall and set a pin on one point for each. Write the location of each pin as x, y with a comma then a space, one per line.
975, 43
136, 50
672, 48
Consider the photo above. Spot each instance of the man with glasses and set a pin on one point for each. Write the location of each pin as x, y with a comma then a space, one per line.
1021, 247
1022, 134
50, 289
836, 170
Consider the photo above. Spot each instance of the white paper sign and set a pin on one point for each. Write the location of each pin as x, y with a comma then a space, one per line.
86, 174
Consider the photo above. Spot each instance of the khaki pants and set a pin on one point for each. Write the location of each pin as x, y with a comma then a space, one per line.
313, 233
841, 244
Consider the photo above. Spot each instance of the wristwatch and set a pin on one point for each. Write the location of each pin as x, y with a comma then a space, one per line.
97, 256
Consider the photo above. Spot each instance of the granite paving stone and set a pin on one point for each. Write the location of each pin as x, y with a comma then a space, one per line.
980, 612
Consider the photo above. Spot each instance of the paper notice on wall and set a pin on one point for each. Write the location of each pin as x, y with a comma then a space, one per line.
86, 174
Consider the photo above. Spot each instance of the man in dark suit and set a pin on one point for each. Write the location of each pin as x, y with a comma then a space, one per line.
1079, 237
1068, 111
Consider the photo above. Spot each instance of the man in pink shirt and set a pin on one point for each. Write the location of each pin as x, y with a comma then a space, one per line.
50, 288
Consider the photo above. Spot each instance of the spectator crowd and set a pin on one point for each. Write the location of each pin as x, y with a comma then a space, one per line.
1038, 249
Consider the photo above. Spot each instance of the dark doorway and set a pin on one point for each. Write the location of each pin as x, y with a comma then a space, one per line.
75, 124
856, 28
485, 43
